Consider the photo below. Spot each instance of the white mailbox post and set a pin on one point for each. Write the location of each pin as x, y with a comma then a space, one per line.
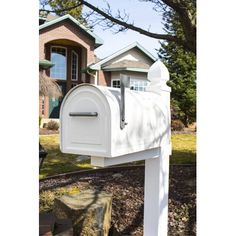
116, 126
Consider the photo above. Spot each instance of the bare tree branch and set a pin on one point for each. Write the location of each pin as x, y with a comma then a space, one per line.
130, 26
107, 20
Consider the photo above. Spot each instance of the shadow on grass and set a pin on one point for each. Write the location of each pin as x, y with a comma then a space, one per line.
58, 163
177, 157
183, 157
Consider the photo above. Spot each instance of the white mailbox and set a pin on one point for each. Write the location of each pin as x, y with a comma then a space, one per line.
91, 116
116, 126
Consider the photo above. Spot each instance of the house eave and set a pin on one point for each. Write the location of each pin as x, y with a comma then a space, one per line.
98, 40
126, 69
97, 66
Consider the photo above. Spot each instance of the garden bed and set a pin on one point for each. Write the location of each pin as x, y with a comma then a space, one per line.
44, 131
126, 185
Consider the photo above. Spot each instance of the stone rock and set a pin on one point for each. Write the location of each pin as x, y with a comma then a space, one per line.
49, 225
46, 224
82, 158
89, 211
117, 175
191, 182
63, 227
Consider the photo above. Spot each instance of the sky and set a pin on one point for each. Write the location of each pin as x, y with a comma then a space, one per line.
143, 16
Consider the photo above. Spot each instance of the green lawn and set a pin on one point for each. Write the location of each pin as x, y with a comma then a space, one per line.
183, 152
183, 149
57, 162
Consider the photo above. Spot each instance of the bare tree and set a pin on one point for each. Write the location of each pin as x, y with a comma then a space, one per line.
185, 9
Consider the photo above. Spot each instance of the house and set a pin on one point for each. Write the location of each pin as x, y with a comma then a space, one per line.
133, 61
70, 47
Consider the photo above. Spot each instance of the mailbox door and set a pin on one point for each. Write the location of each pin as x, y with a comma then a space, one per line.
85, 122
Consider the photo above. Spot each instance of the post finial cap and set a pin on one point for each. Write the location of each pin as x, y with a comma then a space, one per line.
158, 73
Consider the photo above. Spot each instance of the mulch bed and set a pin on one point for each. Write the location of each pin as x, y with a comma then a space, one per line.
44, 131
127, 189
185, 131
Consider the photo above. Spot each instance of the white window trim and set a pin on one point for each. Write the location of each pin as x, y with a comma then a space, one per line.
77, 68
55, 46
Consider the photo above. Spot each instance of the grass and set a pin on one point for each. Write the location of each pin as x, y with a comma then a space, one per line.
183, 152
57, 162
183, 149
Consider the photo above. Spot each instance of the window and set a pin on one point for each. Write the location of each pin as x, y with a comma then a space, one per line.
115, 83
135, 84
74, 66
58, 58
138, 84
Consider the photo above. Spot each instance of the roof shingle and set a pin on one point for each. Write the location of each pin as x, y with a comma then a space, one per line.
127, 64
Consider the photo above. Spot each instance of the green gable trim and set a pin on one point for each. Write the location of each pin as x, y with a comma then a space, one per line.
98, 40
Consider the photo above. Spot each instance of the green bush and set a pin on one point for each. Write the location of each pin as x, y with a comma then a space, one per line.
177, 125
52, 125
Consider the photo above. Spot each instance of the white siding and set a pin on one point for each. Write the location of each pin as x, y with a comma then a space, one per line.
133, 54
135, 75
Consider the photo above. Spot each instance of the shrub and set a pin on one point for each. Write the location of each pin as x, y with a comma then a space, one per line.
52, 125
40, 120
177, 125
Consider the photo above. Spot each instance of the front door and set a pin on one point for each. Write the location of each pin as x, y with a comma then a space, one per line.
55, 103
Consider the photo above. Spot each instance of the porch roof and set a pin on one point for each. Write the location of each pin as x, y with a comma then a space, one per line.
98, 40
127, 65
